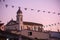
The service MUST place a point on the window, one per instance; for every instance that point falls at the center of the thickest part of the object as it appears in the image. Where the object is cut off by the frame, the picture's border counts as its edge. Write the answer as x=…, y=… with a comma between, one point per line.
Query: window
x=21, y=27
x=29, y=33
x=28, y=27
x=35, y=28
x=21, y=18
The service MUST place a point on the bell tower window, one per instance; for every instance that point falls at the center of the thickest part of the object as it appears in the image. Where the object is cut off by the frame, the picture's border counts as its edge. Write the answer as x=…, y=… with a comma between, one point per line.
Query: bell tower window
x=21, y=18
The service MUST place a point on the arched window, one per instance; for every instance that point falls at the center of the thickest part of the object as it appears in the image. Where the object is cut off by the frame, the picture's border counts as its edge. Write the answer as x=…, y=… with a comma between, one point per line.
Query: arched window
x=21, y=18
x=28, y=27
x=35, y=28
x=38, y=28
x=21, y=27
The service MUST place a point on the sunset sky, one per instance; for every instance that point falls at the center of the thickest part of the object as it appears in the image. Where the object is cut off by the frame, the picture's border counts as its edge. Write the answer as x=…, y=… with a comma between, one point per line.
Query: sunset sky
x=45, y=18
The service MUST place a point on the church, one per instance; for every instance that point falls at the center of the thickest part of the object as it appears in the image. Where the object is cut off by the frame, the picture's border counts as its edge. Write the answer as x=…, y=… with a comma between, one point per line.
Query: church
x=23, y=30
x=19, y=24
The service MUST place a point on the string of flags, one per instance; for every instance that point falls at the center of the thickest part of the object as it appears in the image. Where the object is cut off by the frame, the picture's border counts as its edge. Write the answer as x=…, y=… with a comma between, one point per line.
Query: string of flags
x=52, y=25
x=6, y=5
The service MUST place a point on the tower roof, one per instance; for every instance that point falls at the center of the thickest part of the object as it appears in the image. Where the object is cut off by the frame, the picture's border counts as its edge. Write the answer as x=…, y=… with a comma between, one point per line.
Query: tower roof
x=19, y=11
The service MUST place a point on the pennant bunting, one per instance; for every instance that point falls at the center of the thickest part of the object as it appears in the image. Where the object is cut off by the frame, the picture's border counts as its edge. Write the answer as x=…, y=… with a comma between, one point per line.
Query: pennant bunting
x=58, y=13
x=6, y=5
x=48, y=11
x=49, y=25
x=43, y=11
x=58, y=23
x=52, y=24
x=12, y=6
x=32, y=9
x=25, y=8
x=55, y=23
x=38, y=10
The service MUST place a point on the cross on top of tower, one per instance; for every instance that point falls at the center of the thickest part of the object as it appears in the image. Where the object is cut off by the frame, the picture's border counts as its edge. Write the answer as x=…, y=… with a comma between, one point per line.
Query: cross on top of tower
x=19, y=10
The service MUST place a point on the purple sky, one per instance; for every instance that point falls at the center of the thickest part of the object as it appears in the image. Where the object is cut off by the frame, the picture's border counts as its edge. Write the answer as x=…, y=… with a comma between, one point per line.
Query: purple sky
x=6, y=14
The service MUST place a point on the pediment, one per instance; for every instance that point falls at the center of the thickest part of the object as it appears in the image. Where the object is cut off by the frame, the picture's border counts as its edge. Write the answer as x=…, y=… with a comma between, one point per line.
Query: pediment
x=11, y=23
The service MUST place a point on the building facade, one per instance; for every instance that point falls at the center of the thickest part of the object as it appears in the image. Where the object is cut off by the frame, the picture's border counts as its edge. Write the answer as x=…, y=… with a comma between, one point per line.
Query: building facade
x=27, y=30
x=19, y=24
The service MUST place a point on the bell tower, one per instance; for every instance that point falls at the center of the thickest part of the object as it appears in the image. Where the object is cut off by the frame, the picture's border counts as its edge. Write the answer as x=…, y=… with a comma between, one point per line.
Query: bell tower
x=19, y=19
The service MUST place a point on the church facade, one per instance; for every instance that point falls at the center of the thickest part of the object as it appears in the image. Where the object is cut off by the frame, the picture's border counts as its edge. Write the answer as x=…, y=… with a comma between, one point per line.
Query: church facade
x=19, y=24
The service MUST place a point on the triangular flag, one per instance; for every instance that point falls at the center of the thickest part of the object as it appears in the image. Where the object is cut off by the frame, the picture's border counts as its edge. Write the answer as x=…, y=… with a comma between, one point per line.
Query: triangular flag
x=52, y=24
x=53, y=12
x=55, y=23
x=58, y=23
x=32, y=9
x=6, y=5
x=43, y=11
x=12, y=6
x=49, y=25
x=48, y=11
x=25, y=8
x=38, y=10
x=58, y=13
